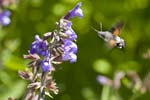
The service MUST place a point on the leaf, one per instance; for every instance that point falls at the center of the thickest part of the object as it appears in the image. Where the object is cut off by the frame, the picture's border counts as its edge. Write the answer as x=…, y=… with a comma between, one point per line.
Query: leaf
x=48, y=94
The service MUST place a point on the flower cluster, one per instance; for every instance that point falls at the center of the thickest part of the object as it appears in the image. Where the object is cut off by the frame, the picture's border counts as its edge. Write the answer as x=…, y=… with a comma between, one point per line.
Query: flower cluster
x=54, y=48
x=61, y=46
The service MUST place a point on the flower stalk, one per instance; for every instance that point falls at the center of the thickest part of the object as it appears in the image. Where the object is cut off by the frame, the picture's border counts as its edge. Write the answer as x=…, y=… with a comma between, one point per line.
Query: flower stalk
x=45, y=53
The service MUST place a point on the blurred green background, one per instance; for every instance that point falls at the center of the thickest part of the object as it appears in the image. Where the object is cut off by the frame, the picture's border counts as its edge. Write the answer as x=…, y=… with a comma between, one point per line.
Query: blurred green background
x=78, y=81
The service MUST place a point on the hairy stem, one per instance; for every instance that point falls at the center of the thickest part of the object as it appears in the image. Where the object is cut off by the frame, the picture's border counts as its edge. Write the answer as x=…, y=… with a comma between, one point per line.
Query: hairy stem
x=42, y=88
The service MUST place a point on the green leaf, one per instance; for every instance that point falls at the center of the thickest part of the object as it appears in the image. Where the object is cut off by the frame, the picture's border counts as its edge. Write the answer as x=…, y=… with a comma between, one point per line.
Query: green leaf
x=48, y=94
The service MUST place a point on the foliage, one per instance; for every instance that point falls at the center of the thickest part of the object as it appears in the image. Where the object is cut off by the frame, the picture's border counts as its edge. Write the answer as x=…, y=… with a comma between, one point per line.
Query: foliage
x=78, y=81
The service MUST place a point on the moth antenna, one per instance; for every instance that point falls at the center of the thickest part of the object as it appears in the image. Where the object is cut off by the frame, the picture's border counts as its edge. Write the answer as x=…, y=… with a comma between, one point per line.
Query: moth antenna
x=100, y=25
x=95, y=29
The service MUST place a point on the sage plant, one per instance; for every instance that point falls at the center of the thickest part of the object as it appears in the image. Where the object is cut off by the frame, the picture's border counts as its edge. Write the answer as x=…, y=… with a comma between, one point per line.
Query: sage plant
x=45, y=53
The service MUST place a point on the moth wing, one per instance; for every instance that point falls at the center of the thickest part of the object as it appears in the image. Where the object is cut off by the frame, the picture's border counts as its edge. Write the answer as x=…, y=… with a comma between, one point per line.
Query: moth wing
x=116, y=28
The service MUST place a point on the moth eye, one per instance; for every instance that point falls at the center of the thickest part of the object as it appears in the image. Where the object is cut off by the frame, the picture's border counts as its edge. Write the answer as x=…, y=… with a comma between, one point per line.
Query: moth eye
x=118, y=44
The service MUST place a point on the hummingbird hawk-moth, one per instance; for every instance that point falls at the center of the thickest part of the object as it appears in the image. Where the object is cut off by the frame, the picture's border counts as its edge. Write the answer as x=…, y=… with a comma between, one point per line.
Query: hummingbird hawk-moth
x=112, y=36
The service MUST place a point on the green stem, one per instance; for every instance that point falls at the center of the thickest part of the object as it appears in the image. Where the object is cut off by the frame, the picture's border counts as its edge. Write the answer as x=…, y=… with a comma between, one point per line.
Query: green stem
x=105, y=93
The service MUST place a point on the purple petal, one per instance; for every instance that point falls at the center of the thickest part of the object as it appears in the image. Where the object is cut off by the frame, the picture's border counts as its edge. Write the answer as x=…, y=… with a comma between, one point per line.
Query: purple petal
x=6, y=13
x=33, y=48
x=45, y=66
x=73, y=58
x=72, y=34
x=66, y=57
x=79, y=13
x=37, y=38
x=69, y=57
x=102, y=79
x=40, y=47
x=4, y=18
x=70, y=46
x=69, y=24
x=76, y=11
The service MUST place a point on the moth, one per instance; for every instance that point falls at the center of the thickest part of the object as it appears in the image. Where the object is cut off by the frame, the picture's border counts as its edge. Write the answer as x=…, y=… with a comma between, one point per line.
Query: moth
x=112, y=36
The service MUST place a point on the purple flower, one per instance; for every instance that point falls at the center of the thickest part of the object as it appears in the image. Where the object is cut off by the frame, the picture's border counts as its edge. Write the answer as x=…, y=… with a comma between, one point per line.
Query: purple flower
x=72, y=35
x=4, y=17
x=70, y=46
x=102, y=79
x=68, y=24
x=105, y=81
x=70, y=57
x=70, y=50
x=40, y=47
x=45, y=66
x=76, y=11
